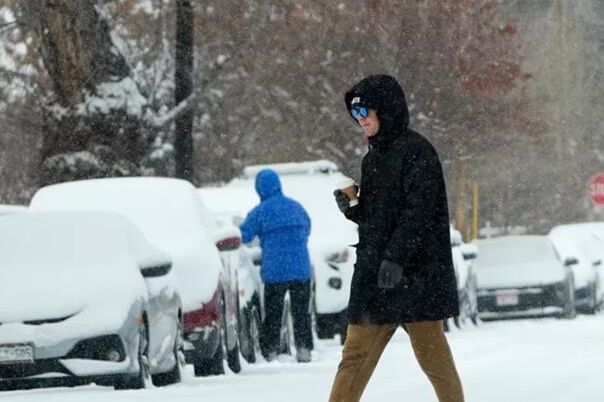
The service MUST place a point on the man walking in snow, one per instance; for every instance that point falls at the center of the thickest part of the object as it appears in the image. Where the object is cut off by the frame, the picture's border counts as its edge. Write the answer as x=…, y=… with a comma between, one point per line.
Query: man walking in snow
x=283, y=227
x=404, y=272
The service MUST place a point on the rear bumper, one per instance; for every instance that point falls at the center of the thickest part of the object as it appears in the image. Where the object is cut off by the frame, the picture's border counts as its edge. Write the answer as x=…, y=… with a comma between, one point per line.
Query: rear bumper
x=531, y=301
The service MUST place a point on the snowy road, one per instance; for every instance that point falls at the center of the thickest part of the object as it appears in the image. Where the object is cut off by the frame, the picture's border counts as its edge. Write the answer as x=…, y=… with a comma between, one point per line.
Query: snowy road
x=545, y=360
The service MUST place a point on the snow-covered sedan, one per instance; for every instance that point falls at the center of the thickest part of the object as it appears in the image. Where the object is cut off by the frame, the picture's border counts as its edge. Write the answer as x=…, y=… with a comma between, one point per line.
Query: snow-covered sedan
x=84, y=297
x=171, y=215
x=522, y=276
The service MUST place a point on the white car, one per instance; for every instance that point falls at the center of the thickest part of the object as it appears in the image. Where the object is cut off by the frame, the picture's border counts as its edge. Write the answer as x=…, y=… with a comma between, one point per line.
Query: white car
x=332, y=235
x=84, y=297
x=521, y=276
x=579, y=242
x=171, y=215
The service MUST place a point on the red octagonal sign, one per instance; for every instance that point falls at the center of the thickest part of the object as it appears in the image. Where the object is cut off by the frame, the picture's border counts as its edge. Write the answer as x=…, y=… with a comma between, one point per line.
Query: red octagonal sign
x=596, y=189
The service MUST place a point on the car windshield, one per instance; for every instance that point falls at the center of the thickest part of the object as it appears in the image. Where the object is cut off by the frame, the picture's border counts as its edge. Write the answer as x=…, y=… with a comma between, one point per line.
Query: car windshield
x=61, y=242
x=514, y=251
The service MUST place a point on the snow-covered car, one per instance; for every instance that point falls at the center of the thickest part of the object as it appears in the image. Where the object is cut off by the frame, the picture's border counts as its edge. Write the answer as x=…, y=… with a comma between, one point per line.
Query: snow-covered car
x=463, y=255
x=521, y=276
x=577, y=241
x=332, y=235
x=171, y=215
x=84, y=297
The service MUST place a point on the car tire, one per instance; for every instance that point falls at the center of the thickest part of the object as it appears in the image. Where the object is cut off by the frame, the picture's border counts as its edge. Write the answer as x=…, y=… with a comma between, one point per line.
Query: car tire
x=212, y=366
x=143, y=378
x=175, y=375
x=232, y=355
x=569, y=311
x=249, y=332
x=592, y=307
x=233, y=360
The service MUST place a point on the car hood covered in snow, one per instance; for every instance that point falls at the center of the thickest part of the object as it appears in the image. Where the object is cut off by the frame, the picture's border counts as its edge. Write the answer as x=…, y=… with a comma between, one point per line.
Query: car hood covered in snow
x=167, y=211
x=57, y=265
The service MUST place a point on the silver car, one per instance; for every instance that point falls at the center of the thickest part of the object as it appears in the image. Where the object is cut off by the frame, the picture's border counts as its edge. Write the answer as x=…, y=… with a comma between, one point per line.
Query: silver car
x=85, y=298
x=523, y=276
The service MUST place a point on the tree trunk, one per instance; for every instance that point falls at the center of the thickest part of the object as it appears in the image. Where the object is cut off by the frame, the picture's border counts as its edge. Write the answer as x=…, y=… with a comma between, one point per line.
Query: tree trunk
x=460, y=198
x=183, y=86
x=93, y=117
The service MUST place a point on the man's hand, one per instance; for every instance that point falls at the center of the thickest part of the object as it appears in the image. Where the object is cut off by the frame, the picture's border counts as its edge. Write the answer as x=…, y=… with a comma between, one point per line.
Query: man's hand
x=342, y=201
x=390, y=274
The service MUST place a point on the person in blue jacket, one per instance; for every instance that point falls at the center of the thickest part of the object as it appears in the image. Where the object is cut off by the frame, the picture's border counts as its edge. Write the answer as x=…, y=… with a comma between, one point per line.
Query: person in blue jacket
x=283, y=227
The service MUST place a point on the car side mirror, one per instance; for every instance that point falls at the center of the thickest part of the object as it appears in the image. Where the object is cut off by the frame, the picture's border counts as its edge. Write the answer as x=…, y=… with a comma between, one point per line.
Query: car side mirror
x=155, y=271
x=570, y=261
x=597, y=263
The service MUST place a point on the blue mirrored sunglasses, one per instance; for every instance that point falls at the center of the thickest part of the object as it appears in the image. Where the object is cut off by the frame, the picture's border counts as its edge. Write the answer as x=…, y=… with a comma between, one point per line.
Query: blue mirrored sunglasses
x=357, y=112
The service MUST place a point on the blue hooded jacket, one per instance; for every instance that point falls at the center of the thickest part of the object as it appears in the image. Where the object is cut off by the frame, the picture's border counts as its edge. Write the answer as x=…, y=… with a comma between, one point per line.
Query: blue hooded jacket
x=283, y=227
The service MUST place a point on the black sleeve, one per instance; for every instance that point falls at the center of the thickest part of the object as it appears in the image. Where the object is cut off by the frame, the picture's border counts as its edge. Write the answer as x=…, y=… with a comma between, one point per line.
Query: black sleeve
x=422, y=185
x=353, y=213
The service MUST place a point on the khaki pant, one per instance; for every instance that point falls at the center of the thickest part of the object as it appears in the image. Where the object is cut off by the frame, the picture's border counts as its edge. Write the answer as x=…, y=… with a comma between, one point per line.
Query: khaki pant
x=364, y=346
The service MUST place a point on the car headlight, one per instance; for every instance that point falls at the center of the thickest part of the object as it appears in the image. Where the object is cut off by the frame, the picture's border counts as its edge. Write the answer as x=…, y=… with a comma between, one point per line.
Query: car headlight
x=107, y=347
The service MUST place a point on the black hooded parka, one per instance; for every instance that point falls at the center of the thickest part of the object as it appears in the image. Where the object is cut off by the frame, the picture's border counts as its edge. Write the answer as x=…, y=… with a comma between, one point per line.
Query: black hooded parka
x=402, y=216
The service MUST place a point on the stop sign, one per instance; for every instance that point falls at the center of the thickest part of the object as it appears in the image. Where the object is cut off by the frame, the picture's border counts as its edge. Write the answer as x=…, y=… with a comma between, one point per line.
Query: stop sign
x=596, y=189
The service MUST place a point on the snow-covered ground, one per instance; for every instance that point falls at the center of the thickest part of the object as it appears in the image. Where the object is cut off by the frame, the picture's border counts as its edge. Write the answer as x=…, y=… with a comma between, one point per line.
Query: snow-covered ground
x=540, y=360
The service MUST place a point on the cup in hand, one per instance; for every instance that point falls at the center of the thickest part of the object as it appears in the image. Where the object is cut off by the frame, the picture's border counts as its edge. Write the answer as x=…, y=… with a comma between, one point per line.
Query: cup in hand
x=350, y=189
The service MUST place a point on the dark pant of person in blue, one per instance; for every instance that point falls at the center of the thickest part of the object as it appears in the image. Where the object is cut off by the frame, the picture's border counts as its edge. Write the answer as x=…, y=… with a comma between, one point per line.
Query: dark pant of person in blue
x=274, y=296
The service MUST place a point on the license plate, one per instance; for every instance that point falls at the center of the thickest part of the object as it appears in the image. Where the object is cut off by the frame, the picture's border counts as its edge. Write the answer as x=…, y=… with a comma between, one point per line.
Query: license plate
x=19, y=353
x=507, y=299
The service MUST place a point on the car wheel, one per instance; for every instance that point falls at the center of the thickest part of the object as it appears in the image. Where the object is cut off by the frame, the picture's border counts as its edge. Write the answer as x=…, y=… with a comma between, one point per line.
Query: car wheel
x=593, y=300
x=249, y=332
x=232, y=354
x=569, y=302
x=473, y=301
x=143, y=378
x=233, y=360
x=211, y=366
x=173, y=376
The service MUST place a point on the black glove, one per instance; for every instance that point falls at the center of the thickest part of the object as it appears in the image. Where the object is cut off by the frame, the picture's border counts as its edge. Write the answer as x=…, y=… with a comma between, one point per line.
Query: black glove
x=342, y=200
x=390, y=274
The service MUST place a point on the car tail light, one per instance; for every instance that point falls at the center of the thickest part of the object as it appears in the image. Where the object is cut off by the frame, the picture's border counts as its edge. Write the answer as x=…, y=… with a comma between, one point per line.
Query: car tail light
x=229, y=244
x=206, y=316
